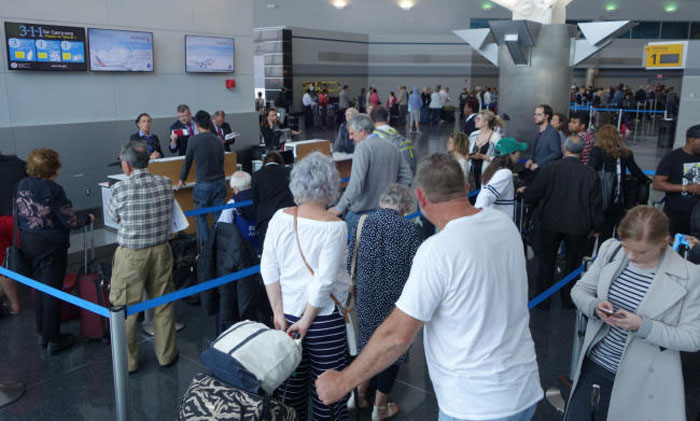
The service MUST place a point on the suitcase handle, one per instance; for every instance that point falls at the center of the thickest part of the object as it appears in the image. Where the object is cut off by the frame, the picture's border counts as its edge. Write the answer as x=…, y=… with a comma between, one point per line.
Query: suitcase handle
x=85, y=245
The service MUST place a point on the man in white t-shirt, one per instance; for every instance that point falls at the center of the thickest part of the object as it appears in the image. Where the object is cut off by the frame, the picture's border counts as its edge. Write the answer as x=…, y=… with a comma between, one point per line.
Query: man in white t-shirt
x=468, y=289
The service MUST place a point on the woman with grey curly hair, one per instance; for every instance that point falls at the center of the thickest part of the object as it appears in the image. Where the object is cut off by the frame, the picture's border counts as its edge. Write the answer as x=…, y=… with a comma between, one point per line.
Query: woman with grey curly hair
x=383, y=256
x=302, y=267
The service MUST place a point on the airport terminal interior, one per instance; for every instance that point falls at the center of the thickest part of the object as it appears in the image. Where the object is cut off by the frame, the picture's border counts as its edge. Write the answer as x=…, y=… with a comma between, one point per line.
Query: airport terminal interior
x=586, y=109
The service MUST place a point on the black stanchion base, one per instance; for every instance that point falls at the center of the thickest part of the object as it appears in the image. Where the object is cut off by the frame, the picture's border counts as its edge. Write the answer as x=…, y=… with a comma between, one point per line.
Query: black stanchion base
x=10, y=392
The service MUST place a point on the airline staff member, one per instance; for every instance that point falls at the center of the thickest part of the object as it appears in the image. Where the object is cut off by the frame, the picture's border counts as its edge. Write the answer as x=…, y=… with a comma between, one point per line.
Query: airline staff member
x=178, y=140
x=221, y=128
x=143, y=122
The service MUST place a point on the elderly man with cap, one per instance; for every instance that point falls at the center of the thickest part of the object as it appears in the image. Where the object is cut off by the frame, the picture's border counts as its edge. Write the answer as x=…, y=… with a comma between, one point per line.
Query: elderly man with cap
x=497, y=189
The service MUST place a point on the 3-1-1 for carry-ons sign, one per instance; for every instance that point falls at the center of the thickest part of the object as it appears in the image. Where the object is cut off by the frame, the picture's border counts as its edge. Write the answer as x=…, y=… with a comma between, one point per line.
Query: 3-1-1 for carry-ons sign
x=665, y=55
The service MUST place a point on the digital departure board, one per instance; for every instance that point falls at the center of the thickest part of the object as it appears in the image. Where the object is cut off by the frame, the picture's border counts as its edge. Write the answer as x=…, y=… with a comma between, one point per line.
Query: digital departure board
x=45, y=47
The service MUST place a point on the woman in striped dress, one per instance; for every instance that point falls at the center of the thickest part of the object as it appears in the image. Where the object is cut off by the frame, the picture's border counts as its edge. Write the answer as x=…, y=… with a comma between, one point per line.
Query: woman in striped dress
x=642, y=301
x=303, y=268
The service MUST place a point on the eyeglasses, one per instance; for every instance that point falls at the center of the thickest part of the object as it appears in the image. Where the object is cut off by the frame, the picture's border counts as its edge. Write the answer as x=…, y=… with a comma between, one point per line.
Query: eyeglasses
x=538, y=114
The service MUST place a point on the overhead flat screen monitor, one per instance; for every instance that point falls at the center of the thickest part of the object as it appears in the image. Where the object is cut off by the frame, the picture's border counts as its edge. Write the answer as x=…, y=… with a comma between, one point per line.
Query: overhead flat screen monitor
x=209, y=54
x=45, y=47
x=120, y=51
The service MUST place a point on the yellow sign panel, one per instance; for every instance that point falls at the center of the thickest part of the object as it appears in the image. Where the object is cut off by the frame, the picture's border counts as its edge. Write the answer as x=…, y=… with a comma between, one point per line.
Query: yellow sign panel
x=665, y=55
x=19, y=54
x=41, y=54
x=66, y=56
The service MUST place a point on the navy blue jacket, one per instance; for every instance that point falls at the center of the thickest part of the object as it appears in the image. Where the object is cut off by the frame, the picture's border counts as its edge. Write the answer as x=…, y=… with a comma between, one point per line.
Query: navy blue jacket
x=547, y=148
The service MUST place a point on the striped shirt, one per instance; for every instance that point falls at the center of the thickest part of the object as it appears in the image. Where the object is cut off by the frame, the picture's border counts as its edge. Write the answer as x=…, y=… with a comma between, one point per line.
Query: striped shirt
x=143, y=206
x=626, y=293
x=499, y=193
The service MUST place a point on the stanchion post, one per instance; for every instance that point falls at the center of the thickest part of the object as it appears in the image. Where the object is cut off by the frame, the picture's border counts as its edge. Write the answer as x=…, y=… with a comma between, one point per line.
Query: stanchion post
x=117, y=327
x=619, y=119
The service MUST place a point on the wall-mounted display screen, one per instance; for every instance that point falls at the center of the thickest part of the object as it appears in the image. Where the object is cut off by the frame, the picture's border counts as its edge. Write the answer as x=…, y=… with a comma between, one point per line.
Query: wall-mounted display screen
x=209, y=54
x=45, y=47
x=120, y=51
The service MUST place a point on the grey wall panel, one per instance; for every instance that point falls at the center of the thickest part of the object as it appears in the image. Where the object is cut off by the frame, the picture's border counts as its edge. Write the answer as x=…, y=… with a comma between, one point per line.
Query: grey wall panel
x=7, y=140
x=303, y=70
x=85, y=11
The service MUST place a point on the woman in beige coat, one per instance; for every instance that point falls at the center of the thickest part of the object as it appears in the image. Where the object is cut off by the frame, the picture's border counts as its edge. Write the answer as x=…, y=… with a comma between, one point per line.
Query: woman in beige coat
x=642, y=301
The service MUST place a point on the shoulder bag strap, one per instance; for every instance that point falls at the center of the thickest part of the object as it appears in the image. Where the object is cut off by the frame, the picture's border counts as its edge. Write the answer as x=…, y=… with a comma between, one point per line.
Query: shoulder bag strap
x=343, y=310
x=296, y=234
x=353, y=263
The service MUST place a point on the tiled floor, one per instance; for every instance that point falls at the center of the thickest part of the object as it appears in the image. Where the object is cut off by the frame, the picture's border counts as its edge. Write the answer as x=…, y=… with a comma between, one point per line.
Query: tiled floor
x=77, y=385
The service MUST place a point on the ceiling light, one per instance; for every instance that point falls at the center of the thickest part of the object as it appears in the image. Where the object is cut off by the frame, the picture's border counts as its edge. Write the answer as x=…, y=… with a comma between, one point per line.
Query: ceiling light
x=271, y=6
x=487, y=5
x=611, y=7
x=340, y=4
x=671, y=7
x=406, y=4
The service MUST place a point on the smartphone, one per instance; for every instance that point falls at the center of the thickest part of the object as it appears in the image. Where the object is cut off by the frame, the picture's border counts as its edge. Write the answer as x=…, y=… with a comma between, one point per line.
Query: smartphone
x=608, y=312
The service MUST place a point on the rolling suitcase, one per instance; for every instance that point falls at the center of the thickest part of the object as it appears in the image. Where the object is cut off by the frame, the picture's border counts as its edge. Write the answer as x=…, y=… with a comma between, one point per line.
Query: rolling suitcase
x=69, y=311
x=93, y=285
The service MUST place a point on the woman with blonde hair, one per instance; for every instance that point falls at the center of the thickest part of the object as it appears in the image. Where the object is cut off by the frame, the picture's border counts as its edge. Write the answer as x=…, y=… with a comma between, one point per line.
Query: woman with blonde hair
x=458, y=146
x=642, y=301
x=482, y=144
x=611, y=157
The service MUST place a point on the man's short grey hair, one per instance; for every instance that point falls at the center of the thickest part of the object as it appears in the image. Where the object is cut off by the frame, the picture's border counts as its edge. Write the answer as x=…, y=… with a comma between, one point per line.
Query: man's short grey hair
x=135, y=152
x=352, y=111
x=397, y=197
x=361, y=122
x=315, y=179
x=440, y=177
x=574, y=144
x=240, y=180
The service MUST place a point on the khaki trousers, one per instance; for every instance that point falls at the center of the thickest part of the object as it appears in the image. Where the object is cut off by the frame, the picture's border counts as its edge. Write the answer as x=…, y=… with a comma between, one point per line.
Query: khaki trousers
x=150, y=268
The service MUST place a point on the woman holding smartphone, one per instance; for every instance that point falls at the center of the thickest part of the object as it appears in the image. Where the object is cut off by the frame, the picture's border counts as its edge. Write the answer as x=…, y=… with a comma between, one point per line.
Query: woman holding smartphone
x=642, y=301
x=482, y=144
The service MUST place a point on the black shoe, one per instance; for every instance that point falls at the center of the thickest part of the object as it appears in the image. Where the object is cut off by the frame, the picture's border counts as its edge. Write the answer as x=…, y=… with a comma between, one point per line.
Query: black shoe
x=42, y=342
x=62, y=343
x=171, y=363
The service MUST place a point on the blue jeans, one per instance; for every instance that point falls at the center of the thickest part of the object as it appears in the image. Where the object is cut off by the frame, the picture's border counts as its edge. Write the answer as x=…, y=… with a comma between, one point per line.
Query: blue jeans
x=352, y=218
x=525, y=415
x=204, y=196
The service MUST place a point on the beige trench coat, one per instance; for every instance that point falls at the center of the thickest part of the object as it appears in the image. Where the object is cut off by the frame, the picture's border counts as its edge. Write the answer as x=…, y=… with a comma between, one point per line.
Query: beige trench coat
x=649, y=381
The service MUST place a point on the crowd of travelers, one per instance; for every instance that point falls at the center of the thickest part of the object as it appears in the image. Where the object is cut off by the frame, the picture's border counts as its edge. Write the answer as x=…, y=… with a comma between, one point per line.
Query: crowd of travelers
x=465, y=287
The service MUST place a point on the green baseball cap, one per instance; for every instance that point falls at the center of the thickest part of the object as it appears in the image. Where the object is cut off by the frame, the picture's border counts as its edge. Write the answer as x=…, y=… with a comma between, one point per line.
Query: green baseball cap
x=508, y=145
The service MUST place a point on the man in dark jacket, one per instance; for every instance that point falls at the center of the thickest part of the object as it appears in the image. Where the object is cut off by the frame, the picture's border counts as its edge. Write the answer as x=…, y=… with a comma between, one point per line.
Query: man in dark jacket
x=181, y=130
x=471, y=107
x=547, y=145
x=569, y=210
x=221, y=128
x=270, y=191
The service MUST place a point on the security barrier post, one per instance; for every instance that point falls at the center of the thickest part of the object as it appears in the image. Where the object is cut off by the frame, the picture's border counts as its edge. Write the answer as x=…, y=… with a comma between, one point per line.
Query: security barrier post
x=117, y=327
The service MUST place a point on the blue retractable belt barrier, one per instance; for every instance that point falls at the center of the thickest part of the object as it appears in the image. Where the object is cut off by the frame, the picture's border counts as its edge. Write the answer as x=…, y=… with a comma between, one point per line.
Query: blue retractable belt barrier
x=554, y=288
x=195, y=289
x=64, y=296
x=202, y=211
x=624, y=110
x=345, y=180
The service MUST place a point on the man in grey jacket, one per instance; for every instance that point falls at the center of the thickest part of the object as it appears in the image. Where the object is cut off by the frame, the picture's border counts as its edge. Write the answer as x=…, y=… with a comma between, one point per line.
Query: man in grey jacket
x=376, y=163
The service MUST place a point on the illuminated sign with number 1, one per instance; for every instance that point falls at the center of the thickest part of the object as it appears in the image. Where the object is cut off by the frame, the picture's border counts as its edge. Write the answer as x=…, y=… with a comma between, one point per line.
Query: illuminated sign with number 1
x=665, y=55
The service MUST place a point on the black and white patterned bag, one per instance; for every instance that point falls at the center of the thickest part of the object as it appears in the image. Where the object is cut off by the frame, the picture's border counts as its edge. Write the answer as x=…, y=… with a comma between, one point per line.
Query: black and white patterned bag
x=208, y=399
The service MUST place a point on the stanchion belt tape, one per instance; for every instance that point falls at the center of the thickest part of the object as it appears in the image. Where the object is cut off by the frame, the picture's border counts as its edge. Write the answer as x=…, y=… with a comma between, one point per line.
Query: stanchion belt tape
x=195, y=289
x=72, y=299
x=202, y=211
x=554, y=288
x=617, y=110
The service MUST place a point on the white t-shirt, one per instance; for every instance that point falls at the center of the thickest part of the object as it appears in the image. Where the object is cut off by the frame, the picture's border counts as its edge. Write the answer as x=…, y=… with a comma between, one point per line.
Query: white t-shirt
x=498, y=193
x=468, y=283
x=325, y=248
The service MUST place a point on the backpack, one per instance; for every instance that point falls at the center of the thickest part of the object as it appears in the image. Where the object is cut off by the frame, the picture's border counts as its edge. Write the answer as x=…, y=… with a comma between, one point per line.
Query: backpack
x=405, y=145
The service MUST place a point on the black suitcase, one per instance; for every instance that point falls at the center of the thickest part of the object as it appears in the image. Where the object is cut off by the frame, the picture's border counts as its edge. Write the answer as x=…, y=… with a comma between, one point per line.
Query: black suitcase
x=208, y=398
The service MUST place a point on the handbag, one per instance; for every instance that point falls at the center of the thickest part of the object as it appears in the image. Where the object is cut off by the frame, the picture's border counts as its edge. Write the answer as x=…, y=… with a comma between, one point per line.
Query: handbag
x=607, y=187
x=15, y=259
x=344, y=311
x=253, y=357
